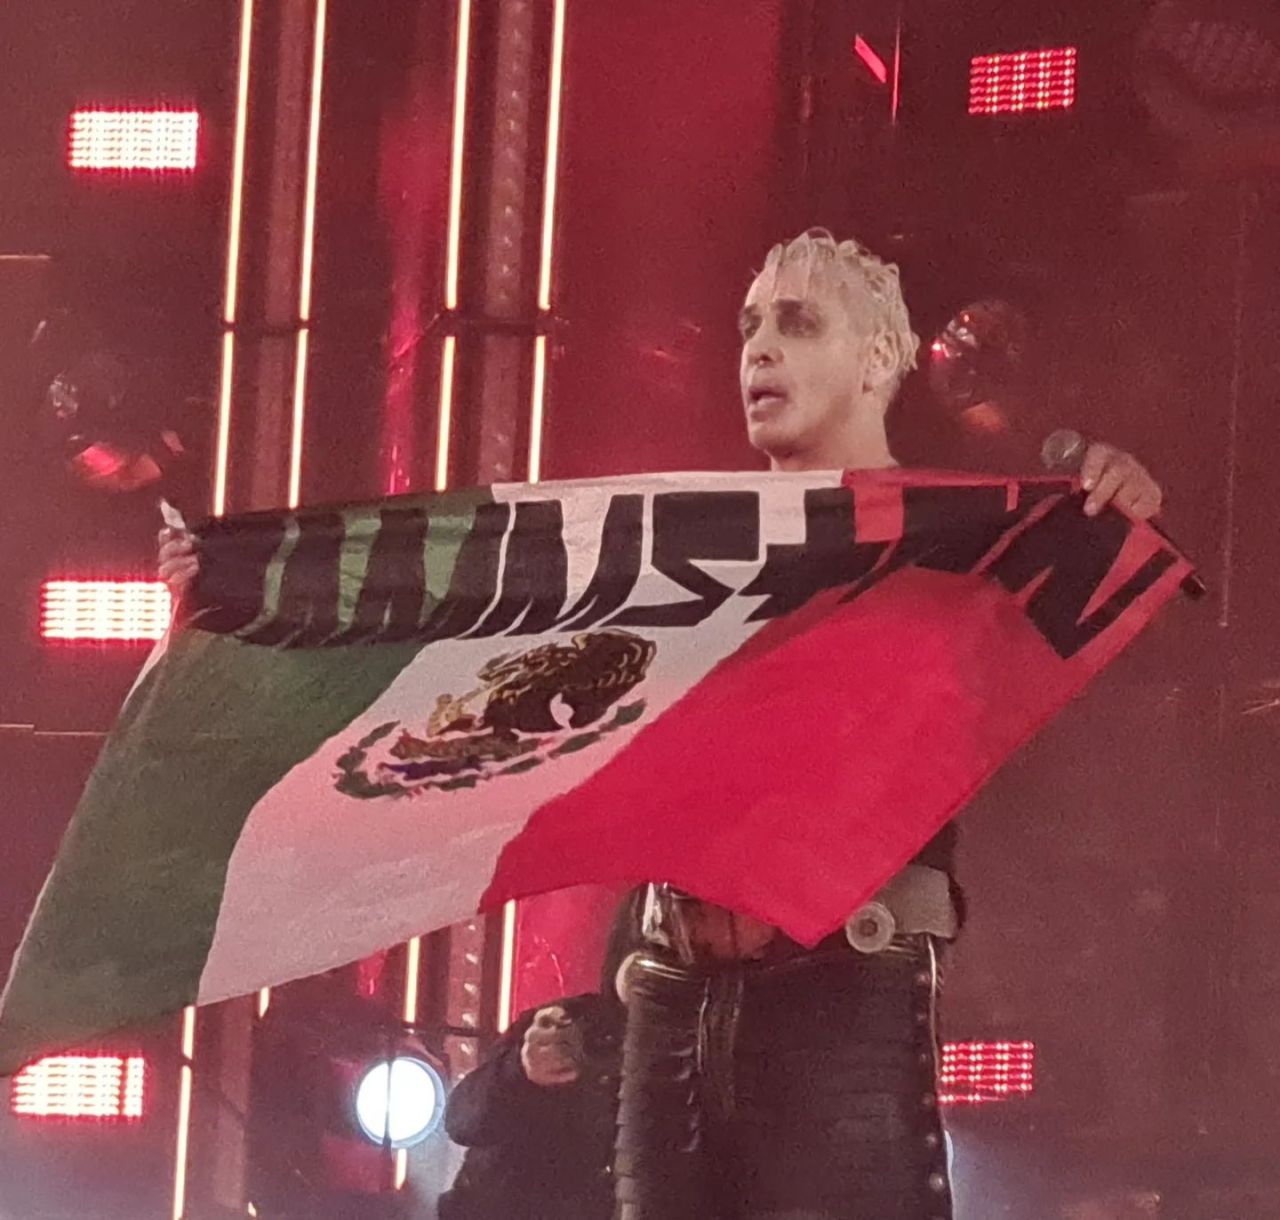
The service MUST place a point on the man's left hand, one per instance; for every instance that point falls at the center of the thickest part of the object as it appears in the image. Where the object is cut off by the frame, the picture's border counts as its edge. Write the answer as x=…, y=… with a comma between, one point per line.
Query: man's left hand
x=1111, y=476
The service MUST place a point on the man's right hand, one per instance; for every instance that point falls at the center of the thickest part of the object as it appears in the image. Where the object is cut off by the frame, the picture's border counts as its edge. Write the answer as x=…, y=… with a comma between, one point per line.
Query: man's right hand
x=552, y=1050
x=178, y=562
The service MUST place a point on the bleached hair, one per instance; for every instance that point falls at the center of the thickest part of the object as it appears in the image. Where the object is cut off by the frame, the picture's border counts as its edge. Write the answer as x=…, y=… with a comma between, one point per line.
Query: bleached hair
x=859, y=278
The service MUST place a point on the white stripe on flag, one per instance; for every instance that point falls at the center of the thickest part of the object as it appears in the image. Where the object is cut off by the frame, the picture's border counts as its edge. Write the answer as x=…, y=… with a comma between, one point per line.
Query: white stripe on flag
x=319, y=878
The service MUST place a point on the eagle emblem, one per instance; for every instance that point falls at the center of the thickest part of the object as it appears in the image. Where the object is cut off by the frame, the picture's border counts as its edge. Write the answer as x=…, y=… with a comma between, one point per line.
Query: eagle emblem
x=526, y=708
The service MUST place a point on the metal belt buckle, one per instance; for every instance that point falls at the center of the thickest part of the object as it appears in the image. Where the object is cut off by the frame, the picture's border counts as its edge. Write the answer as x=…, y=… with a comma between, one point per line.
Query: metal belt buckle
x=871, y=928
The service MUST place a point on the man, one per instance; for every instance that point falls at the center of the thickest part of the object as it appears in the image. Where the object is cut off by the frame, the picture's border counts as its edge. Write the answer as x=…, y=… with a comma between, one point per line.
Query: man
x=816, y=1097
x=764, y=1081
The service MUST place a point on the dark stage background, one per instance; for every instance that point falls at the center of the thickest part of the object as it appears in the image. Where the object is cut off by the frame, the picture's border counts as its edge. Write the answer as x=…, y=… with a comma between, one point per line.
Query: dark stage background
x=1121, y=873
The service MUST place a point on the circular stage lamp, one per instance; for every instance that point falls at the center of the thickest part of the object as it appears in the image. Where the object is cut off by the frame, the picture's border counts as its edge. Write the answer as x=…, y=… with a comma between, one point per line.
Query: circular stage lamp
x=399, y=1101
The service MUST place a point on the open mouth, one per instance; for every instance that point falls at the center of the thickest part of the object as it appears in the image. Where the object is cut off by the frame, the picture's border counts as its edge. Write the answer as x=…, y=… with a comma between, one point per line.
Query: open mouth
x=765, y=396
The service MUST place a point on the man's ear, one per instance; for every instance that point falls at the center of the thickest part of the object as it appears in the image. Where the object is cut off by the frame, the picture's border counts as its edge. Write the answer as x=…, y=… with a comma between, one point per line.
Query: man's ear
x=883, y=362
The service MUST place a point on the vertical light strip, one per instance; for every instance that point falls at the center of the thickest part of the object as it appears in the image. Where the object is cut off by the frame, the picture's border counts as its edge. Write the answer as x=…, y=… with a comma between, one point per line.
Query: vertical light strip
x=448, y=357
x=184, y=1113
x=507, y=967
x=412, y=973
x=222, y=452
x=453, y=250
x=222, y=457
x=551, y=172
x=264, y=1002
x=313, y=163
x=236, y=209
x=550, y=178
x=897, y=70
x=537, y=407
x=301, y=355
x=231, y=293
x=537, y=403
x=307, y=258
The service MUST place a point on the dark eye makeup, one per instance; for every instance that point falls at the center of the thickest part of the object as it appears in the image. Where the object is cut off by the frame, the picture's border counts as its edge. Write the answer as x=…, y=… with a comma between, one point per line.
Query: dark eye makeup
x=799, y=319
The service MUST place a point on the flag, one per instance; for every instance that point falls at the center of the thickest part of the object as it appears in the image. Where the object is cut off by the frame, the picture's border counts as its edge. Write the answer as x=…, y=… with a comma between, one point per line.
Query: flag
x=768, y=689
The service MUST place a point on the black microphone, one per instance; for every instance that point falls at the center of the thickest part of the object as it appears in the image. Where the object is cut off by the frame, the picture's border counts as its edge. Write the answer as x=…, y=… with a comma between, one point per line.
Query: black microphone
x=1063, y=453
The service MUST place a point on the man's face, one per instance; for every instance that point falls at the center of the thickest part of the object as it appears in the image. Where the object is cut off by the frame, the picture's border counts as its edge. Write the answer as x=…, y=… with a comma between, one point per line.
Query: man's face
x=803, y=362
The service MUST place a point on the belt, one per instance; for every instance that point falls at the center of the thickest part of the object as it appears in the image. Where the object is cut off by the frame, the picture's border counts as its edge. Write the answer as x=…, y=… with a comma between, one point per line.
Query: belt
x=916, y=901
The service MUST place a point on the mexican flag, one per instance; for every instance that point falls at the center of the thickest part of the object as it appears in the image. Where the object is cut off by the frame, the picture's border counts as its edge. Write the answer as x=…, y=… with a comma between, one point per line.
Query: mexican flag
x=768, y=689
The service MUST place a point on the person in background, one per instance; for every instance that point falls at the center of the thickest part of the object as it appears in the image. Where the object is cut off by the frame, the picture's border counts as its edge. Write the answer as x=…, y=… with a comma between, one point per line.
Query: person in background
x=537, y=1115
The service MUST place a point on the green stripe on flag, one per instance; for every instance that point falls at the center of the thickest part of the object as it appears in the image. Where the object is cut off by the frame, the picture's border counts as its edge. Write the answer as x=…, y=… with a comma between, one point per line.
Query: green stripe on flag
x=212, y=727
x=143, y=852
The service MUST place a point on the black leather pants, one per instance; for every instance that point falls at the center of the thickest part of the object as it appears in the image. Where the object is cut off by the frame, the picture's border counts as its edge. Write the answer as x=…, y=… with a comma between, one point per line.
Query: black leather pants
x=806, y=1091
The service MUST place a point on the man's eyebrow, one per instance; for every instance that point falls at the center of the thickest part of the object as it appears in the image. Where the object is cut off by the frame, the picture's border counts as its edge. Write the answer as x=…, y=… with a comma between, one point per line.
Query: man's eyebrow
x=748, y=313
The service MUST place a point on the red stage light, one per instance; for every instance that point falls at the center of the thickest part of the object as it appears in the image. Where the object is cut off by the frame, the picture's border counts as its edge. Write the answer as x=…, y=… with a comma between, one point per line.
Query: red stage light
x=973, y=1073
x=1020, y=81
x=874, y=63
x=106, y=610
x=130, y=141
x=81, y=1086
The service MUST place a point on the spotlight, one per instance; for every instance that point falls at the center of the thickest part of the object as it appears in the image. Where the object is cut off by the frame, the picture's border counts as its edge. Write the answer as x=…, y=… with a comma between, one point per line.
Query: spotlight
x=106, y=417
x=95, y=1086
x=104, y=610
x=976, y=1073
x=976, y=362
x=1016, y=82
x=154, y=140
x=399, y=1101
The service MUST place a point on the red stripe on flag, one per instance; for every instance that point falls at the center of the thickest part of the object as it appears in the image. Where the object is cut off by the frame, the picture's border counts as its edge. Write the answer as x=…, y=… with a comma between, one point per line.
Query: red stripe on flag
x=884, y=716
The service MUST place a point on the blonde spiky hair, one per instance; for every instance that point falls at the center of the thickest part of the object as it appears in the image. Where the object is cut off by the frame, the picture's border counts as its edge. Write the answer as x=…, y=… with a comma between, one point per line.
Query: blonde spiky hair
x=860, y=279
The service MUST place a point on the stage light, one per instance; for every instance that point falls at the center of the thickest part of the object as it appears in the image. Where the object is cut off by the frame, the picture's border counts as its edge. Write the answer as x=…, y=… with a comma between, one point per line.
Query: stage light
x=108, y=413
x=977, y=363
x=1020, y=81
x=104, y=610
x=81, y=1086
x=974, y=1073
x=302, y=340
x=399, y=1101
x=159, y=140
x=871, y=59
x=231, y=289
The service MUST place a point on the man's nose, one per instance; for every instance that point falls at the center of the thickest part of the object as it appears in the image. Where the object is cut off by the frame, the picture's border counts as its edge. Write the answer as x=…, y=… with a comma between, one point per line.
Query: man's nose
x=762, y=348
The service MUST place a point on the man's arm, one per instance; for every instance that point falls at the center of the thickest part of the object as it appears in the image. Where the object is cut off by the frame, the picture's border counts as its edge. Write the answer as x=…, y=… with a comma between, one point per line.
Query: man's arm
x=519, y=1086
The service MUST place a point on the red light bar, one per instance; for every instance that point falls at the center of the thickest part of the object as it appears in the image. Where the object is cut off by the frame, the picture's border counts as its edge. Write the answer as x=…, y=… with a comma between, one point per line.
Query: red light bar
x=131, y=141
x=973, y=1073
x=107, y=610
x=869, y=56
x=1020, y=81
x=81, y=1086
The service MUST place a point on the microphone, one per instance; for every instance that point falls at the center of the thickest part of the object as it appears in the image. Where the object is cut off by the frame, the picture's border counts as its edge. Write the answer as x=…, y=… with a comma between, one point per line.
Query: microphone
x=1063, y=453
